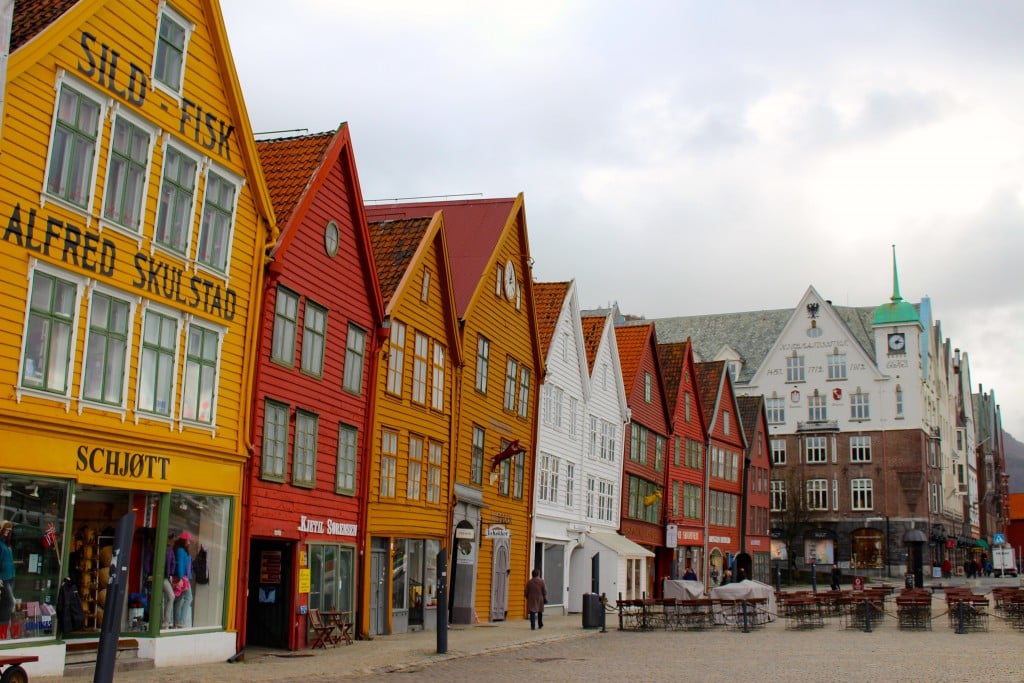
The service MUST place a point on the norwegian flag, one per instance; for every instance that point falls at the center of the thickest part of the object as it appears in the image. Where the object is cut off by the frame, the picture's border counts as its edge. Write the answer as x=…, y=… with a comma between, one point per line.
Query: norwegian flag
x=50, y=536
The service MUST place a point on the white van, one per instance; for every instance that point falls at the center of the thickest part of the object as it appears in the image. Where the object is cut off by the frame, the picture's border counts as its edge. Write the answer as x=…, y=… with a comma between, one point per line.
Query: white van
x=1003, y=561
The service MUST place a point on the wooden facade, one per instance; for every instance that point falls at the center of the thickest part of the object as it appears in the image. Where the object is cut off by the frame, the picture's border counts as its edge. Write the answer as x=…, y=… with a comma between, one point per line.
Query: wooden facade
x=134, y=222
x=755, y=531
x=321, y=315
x=410, y=478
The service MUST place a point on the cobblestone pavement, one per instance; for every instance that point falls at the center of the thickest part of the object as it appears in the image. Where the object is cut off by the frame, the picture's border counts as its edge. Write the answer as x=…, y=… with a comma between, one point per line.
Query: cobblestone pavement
x=563, y=650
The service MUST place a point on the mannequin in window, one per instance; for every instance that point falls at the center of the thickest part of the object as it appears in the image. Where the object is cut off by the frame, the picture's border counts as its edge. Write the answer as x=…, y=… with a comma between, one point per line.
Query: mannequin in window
x=6, y=577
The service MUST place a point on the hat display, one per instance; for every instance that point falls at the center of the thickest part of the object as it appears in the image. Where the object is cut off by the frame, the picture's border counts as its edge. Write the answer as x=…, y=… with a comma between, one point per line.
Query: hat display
x=186, y=536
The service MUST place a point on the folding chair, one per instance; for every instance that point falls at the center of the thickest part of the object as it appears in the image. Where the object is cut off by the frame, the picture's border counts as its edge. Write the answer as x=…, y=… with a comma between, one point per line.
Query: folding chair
x=323, y=633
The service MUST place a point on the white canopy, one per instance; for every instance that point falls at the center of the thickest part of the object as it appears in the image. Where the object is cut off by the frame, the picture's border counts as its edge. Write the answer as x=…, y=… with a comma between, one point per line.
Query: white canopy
x=746, y=589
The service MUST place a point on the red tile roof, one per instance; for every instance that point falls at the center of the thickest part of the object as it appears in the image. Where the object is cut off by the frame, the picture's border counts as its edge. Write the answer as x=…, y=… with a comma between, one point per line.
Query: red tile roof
x=394, y=245
x=32, y=16
x=750, y=411
x=709, y=383
x=473, y=228
x=593, y=332
x=290, y=165
x=631, y=340
x=671, y=357
x=549, y=297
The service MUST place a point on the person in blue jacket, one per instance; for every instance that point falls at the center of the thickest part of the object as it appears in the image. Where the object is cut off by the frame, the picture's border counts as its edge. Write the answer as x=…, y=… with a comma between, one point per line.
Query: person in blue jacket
x=182, y=581
x=6, y=577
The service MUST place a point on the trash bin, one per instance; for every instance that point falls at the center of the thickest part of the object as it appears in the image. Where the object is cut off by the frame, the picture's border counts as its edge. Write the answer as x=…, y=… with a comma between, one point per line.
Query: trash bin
x=592, y=609
x=908, y=580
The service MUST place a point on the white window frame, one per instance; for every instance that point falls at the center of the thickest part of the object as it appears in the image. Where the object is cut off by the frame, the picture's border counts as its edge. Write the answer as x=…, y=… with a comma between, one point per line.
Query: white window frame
x=817, y=494
x=229, y=179
x=836, y=365
x=414, y=473
x=420, y=363
x=778, y=499
x=860, y=448
x=121, y=405
x=815, y=450
x=164, y=219
x=348, y=451
x=220, y=332
x=36, y=268
x=143, y=190
x=778, y=451
x=817, y=407
x=569, y=492
x=396, y=359
x=862, y=494
x=795, y=368
x=304, y=450
x=314, y=340
x=776, y=410
x=274, y=452
x=89, y=185
x=437, y=385
x=355, y=360
x=174, y=315
x=388, y=462
x=435, y=456
x=285, y=322
x=860, y=406
x=483, y=357
x=188, y=27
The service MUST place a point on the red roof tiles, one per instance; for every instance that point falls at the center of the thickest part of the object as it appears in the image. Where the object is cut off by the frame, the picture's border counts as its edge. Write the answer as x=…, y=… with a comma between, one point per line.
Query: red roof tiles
x=631, y=340
x=593, y=332
x=709, y=383
x=549, y=298
x=394, y=245
x=289, y=165
x=32, y=16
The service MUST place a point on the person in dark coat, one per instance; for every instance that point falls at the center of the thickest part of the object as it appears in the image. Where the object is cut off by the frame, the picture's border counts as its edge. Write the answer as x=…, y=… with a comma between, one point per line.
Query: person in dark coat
x=836, y=576
x=536, y=597
x=70, y=615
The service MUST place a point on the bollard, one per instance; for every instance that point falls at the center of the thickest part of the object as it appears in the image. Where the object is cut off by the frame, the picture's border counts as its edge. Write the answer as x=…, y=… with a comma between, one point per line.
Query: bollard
x=867, y=616
x=604, y=610
x=778, y=579
x=960, y=628
x=620, y=610
x=814, y=577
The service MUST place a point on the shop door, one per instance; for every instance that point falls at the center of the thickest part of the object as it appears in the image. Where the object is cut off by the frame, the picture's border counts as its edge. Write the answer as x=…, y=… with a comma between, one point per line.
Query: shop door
x=499, y=580
x=378, y=593
x=268, y=612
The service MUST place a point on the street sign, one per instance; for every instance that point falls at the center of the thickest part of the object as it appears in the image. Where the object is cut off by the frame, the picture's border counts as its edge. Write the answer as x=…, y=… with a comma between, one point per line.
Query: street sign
x=858, y=583
x=998, y=539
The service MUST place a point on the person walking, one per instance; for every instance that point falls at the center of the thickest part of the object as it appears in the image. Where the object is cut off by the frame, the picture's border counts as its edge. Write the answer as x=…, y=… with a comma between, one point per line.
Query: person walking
x=836, y=576
x=536, y=598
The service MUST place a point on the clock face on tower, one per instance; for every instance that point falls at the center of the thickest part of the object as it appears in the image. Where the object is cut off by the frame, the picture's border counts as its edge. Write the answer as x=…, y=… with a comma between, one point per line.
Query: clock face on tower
x=897, y=343
x=510, y=280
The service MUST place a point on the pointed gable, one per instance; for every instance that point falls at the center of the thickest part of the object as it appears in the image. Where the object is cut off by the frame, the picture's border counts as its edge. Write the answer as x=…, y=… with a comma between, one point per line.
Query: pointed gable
x=750, y=408
x=632, y=341
x=289, y=165
x=593, y=333
x=394, y=245
x=671, y=357
x=709, y=385
x=550, y=299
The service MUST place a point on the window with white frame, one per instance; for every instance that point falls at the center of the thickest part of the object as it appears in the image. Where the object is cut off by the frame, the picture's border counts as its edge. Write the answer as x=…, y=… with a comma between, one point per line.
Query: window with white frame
x=659, y=452
x=199, y=389
x=420, y=360
x=556, y=469
x=544, y=478
x=388, y=463
x=524, y=393
x=592, y=436
x=314, y=339
x=106, y=349
x=425, y=286
x=219, y=201
x=590, y=497
x=476, y=474
x=609, y=440
x=817, y=494
x=605, y=501
x=286, y=319
x=126, y=173
x=171, y=48
x=275, y=440
x=647, y=387
x=726, y=422
x=688, y=406
x=304, y=459
x=415, y=469
x=437, y=383
x=396, y=358
x=76, y=129
x=345, y=478
x=177, y=200
x=778, y=451
x=483, y=354
x=157, y=363
x=570, y=485
x=693, y=507
x=778, y=495
x=574, y=409
x=862, y=494
x=511, y=383
x=815, y=449
x=899, y=401
x=817, y=408
x=836, y=365
x=795, y=368
x=776, y=410
x=859, y=406
x=355, y=359
x=860, y=448
x=694, y=454
x=638, y=447
x=434, y=456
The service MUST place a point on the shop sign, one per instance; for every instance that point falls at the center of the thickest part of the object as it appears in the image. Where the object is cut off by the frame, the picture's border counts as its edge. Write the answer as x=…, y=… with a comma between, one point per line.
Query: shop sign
x=465, y=533
x=719, y=539
x=124, y=464
x=304, y=580
x=690, y=536
x=498, y=532
x=329, y=527
x=270, y=566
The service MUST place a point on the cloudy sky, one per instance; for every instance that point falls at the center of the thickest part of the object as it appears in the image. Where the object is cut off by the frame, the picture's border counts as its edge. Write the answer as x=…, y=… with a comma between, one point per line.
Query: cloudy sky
x=684, y=158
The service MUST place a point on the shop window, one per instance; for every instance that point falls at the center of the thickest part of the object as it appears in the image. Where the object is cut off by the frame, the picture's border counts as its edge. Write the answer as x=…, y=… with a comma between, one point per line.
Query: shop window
x=177, y=200
x=207, y=520
x=199, y=393
x=36, y=510
x=331, y=577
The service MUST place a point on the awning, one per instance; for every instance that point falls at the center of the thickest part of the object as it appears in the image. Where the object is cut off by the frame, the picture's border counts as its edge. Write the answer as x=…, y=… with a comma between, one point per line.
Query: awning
x=915, y=536
x=981, y=543
x=618, y=544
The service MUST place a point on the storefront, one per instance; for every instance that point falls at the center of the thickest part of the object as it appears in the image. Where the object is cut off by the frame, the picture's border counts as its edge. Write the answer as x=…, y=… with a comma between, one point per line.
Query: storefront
x=689, y=551
x=414, y=584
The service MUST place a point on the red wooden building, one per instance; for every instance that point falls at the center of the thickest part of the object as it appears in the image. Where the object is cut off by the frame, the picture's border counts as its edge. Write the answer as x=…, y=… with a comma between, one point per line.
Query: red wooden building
x=684, y=505
x=724, y=467
x=755, y=524
x=322, y=312
x=644, y=461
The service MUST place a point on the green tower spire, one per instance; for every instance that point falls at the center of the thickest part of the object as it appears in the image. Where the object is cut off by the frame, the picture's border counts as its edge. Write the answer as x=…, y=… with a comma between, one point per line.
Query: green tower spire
x=897, y=310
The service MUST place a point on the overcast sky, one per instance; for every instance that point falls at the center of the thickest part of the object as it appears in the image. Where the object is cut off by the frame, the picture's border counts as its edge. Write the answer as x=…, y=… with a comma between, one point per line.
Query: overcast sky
x=685, y=158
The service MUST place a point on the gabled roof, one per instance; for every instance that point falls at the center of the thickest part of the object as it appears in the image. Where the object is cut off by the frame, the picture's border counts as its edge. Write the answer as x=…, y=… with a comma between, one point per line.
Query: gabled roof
x=750, y=411
x=32, y=16
x=550, y=299
x=671, y=357
x=631, y=341
x=394, y=246
x=474, y=228
x=290, y=165
x=709, y=385
x=593, y=333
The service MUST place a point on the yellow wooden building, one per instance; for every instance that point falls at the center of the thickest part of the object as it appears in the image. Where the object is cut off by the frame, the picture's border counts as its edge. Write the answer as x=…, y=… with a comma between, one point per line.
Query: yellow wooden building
x=496, y=392
x=134, y=220
x=410, y=479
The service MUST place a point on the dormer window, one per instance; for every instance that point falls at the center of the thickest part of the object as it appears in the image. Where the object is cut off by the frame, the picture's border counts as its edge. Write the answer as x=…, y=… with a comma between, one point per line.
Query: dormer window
x=171, y=50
